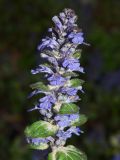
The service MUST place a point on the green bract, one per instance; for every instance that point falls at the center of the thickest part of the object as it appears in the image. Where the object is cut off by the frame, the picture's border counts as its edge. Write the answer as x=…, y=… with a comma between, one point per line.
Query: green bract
x=39, y=85
x=70, y=74
x=67, y=153
x=69, y=108
x=80, y=121
x=40, y=129
x=76, y=82
x=77, y=54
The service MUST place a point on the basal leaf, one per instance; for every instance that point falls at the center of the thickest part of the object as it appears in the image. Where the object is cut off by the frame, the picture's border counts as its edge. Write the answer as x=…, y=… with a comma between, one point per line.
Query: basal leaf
x=67, y=153
x=40, y=129
x=69, y=108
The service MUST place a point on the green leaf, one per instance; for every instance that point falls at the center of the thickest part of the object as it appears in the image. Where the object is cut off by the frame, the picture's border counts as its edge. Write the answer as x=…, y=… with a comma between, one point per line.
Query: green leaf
x=77, y=54
x=41, y=146
x=67, y=153
x=76, y=82
x=47, y=65
x=40, y=129
x=69, y=108
x=39, y=85
x=82, y=119
x=70, y=74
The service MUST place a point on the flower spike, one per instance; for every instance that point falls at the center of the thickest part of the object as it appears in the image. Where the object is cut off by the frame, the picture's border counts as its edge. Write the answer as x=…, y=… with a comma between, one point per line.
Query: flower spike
x=60, y=116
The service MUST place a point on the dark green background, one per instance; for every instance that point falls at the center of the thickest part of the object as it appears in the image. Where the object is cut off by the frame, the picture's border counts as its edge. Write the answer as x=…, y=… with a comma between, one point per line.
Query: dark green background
x=22, y=25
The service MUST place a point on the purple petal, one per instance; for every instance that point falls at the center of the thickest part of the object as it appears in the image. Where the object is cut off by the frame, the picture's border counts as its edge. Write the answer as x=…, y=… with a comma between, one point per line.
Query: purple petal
x=72, y=64
x=65, y=120
x=69, y=91
x=48, y=43
x=35, y=92
x=62, y=16
x=42, y=68
x=63, y=135
x=75, y=130
x=57, y=22
x=76, y=37
x=56, y=79
x=37, y=141
x=47, y=101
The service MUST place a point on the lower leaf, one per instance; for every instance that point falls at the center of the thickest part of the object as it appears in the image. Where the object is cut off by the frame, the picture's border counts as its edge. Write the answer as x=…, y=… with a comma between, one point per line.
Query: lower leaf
x=67, y=153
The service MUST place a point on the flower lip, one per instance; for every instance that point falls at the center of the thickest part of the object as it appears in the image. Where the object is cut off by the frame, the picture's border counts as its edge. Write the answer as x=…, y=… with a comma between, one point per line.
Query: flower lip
x=64, y=135
x=76, y=38
x=56, y=79
x=46, y=102
x=57, y=22
x=65, y=120
x=48, y=43
x=72, y=64
x=69, y=90
x=41, y=69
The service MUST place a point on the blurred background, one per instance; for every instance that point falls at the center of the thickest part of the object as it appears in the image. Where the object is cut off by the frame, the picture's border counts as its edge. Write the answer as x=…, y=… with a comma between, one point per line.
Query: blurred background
x=22, y=25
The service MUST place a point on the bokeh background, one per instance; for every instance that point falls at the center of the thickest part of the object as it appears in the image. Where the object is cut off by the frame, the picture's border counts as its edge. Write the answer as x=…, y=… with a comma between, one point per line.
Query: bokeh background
x=22, y=24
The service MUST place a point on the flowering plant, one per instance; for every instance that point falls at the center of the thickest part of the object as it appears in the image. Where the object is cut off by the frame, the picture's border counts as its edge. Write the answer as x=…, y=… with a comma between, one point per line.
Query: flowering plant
x=60, y=116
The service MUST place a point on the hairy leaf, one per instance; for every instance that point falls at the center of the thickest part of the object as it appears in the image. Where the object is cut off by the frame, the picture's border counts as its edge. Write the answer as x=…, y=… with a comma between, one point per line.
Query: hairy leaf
x=69, y=108
x=82, y=119
x=40, y=129
x=67, y=153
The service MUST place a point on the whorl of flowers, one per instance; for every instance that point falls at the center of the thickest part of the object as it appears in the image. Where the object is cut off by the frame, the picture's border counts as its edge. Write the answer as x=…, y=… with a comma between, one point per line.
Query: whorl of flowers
x=58, y=92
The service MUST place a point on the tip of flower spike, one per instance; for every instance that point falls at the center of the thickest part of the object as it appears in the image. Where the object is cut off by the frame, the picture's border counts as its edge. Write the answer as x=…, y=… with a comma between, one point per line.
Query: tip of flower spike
x=70, y=13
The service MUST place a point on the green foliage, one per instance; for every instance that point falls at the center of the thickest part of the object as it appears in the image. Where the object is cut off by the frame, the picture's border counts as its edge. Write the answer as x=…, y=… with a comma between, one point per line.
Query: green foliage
x=40, y=129
x=77, y=54
x=69, y=108
x=67, y=153
x=82, y=119
x=39, y=85
x=71, y=74
x=76, y=82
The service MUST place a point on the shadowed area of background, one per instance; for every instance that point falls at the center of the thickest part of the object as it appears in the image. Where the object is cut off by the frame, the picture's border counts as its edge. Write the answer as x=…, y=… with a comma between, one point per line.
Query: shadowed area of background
x=22, y=25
